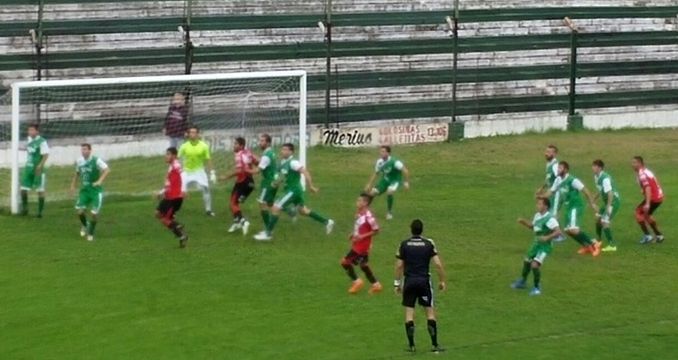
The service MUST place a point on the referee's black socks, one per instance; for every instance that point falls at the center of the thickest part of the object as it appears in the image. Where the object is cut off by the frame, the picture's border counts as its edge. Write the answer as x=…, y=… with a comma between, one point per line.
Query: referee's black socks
x=409, y=330
x=433, y=331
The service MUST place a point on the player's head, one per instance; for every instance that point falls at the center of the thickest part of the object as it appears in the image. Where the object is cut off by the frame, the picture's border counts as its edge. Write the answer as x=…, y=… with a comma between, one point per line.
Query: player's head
x=638, y=162
x=364, y=201
x=193, y=133
x=543, y=204
x=264, y=141
x=178, y=99
x=563, y=168
x=385, y=151
x=239, y=144
x=551, y=152
x=417, y=227
x=597, y=166
x=33, y=130
x=170, y=154
x=287, y=150
x=85, y=150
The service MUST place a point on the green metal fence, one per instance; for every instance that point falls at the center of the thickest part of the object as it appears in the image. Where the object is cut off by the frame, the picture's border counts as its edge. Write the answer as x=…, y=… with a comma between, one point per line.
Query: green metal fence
x=330, y=49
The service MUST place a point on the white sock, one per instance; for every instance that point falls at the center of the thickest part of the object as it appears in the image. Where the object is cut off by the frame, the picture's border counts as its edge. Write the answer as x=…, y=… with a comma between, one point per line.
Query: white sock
x=207, y=198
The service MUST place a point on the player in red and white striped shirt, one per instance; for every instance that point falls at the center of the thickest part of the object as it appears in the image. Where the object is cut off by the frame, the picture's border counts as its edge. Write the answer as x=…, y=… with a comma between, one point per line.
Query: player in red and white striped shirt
x=653, y=197
x=172, y=197
x=244, y=183
x=361, y=242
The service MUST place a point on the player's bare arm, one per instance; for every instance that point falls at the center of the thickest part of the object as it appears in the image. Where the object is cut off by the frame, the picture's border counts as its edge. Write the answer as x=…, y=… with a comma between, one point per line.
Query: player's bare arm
x=74, y=182
x=370, y=182
x=102, y=177
x=525, y=223
x=440, y=269
x=406, y=174
x=309, y=180
x=554, y=234
x=610, y=199
x=590, y=198
x=648, y=198
x=41, y=165
x=398, y=275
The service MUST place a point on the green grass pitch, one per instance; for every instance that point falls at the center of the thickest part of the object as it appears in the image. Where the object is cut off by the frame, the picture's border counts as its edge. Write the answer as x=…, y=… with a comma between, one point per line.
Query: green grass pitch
x=132, y=294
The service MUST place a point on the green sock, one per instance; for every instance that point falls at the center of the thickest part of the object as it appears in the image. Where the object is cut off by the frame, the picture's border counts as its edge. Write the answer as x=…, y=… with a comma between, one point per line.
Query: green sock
x=608, y=236
x=41, y=205
x=526, y=270
x=83, y=219
x=272, y=220
x=389, y=203
x=24, y=202
x=537, y=276
x=317, y=217
x=584, y=239
x=265, y=216
x=599, y=230
x=92, y=225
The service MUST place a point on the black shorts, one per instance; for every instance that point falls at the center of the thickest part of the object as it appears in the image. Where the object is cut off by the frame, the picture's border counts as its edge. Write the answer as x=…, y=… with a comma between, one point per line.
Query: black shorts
x=167, y=208
x=417, y=290
x=241, y=190
x=653, y=206
x=356, y=259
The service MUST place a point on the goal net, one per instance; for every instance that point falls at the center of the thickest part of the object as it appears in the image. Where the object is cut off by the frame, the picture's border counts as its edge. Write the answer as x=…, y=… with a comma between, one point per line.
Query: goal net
x=125, y=121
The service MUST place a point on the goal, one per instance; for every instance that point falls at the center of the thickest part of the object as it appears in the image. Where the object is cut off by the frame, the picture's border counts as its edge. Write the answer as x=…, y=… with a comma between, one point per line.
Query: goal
x=124, y=120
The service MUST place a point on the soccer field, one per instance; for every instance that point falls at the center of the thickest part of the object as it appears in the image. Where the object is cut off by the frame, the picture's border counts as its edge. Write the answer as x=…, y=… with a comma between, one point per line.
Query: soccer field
x=132, y=294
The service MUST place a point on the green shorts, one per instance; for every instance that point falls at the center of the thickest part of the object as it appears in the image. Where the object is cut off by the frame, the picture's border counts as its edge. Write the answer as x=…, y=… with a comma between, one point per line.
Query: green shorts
x=604, y=218
x=573, y=217
x=267, y=195
x=290, y=199
x=31, y=182
x=91, y=198
x=384, y=185
x=538, y=252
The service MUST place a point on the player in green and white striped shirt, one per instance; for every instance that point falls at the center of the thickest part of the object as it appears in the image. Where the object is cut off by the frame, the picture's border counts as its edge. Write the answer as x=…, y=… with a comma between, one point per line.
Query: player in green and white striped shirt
x=570, y=189
x=268, y=167
x=290, y=172
x=607, y=191
x=91, y=171
x=393, y=173
x=33, y=174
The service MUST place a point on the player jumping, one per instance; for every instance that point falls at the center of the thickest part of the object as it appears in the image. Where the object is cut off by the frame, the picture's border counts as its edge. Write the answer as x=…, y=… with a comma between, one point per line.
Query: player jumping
x=92, y=171
x=172, y=197
x=33, y=174
x=244, y=184
x=607, y=191
x=195, y=154
x=291, y=172
x=392, y=172
x=361, y=242
x=545, y=228
x=570, y=189
x=653, y=197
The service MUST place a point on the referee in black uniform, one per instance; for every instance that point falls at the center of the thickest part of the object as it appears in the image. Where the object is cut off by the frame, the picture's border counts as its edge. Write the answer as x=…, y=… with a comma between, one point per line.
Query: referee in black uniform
x=413, y=259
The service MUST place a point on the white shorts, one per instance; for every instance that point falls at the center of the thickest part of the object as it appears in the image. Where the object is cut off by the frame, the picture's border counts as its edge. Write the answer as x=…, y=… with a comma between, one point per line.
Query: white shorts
x=197, y=177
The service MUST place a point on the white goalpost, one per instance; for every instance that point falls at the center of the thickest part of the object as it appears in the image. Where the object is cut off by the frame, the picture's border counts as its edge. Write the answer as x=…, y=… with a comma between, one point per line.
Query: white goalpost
x=123, y=120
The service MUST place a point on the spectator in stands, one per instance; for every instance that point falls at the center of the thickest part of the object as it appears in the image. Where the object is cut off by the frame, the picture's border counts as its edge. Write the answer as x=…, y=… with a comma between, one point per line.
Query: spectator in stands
x=176, y=121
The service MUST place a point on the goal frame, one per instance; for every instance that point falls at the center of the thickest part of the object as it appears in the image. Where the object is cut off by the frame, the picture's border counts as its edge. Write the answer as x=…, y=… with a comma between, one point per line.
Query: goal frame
x=18, y=86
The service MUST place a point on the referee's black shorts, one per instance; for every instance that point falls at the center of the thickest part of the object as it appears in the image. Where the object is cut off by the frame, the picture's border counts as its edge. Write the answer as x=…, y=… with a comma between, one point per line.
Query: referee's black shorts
x=167, y=208
x=417, y=290
x=241, y=190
